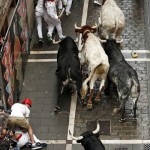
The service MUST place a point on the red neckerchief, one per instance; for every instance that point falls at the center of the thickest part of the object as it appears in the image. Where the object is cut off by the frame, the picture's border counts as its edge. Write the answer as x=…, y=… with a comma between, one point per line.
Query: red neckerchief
x=20, y=135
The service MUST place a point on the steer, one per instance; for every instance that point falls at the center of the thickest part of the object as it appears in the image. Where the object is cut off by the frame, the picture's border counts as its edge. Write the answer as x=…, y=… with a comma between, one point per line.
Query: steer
x=94, y=56
x=90, y=140
x=123, y=76
x=68, y=69
x=111, y=20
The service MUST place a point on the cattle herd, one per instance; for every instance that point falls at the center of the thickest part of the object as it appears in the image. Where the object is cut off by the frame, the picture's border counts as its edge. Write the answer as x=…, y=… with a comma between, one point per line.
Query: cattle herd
x=105, y=63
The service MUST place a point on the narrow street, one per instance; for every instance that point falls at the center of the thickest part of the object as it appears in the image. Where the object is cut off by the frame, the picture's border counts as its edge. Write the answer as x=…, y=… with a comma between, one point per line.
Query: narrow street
x=40, y=84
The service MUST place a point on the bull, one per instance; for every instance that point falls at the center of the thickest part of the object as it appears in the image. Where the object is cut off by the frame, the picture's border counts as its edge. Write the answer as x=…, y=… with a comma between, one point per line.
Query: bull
x=111, y=20
x=90, y=140
x=96, y=59
x=68, y=69
x=123, y=76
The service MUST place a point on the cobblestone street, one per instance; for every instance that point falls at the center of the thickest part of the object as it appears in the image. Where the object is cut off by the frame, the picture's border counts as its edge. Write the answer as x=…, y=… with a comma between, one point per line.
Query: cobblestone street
x=40, y=84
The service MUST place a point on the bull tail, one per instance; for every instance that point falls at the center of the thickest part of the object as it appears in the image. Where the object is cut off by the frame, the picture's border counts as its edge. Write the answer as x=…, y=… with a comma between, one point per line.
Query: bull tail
x=135, y=95
x=135, y=91
x=68, y=69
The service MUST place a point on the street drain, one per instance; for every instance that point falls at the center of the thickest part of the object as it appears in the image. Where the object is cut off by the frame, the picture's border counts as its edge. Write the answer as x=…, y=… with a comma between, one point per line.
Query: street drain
x=147, y=147
x=104, y=126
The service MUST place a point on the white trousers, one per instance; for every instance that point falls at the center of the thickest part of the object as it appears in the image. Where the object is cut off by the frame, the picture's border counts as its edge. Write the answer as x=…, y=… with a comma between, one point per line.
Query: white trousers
x=59, y=4
x=51, y=22
x=68, y=3
x=38, y=16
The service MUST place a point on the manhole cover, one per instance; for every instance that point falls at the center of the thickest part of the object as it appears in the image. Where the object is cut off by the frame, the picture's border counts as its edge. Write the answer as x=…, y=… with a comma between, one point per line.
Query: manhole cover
x=104, y=126
x=147, y=147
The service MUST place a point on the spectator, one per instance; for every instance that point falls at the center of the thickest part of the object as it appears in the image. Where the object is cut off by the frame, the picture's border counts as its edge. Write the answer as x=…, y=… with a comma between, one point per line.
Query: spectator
x=52, y=19
x=19, y=117
x=39, y=10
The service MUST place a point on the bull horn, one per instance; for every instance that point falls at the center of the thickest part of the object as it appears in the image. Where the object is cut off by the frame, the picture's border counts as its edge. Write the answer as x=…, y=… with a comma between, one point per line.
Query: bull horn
x=97, y=129
x=76, y=27
x=75, y=138
x=102, y=41
x=95, y=27
x=119, y=41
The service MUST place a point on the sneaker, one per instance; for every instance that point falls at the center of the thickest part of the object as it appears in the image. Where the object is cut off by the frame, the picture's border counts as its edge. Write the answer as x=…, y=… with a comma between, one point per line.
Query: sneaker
x=38, y=144
x=97, y=2
x=34, y=146
x=44, y=145
x=49, y=38
x=63, y=37
x=68, y=13
x=41, y=144
x=41, y=40
x=28, y=145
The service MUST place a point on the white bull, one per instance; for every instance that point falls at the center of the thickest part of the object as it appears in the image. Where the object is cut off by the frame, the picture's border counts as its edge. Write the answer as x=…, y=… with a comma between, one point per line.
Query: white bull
x=94, y=56
x=111, y=20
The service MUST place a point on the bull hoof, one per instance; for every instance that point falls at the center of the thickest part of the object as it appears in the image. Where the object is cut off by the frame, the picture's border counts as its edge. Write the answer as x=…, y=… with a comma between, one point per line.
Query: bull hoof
x=57, y=109
x=89, y=106
x=97, y=100
x=122, y=120
x=83, y=102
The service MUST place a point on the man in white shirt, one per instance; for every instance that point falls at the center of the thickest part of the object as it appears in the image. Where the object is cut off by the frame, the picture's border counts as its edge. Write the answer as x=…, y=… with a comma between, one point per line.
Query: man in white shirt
x=19, y=117
x=52, y=19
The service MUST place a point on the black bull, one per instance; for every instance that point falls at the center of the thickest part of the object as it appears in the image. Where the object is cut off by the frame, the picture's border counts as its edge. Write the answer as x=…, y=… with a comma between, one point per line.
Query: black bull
x=68, y=69
x=90, y=139
x=123, y=76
